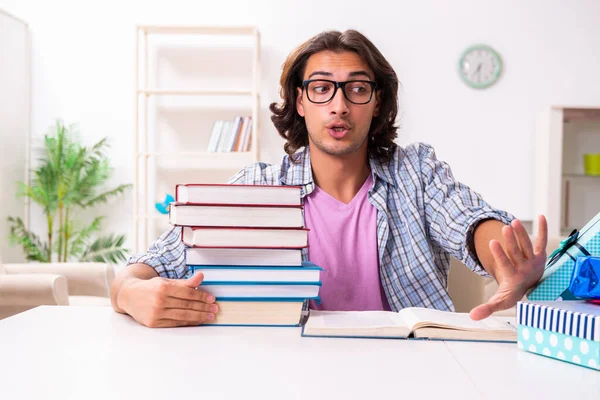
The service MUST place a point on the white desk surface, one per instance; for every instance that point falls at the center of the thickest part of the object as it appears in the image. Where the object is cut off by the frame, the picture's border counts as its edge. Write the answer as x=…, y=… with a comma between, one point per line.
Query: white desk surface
x=92, y=352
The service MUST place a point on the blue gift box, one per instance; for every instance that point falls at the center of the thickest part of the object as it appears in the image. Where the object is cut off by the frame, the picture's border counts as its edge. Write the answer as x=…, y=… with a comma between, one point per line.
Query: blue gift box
x=556, y=279
x=564, y=330
x=585, y=282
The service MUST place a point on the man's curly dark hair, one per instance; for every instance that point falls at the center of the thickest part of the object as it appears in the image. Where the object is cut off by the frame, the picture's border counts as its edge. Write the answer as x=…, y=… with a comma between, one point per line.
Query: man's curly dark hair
x=292, y=127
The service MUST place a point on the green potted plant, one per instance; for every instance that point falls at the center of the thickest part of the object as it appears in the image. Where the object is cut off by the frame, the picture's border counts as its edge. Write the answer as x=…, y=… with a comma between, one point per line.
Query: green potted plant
x=68, y=179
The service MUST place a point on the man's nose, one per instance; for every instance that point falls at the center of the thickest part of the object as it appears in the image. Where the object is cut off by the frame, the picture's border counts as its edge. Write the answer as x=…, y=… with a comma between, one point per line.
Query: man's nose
x=339, y=103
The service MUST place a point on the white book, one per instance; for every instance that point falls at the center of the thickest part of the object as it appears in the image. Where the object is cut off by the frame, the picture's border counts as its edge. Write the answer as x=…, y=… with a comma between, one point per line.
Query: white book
x=197, y=193
x=235, y=216
x=225, y=134
x=245, y=237
x=235, y=129
x=413, y=322
x=214, y=136
x=247, y=312
x=252, y=257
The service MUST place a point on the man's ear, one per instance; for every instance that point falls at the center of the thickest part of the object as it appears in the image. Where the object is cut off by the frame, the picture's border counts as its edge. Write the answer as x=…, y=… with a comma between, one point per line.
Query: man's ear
x=377, y=109
x=299, y=103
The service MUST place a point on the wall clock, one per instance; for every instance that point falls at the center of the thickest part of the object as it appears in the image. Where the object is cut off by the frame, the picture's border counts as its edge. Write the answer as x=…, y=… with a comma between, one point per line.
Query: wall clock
x=480, y=66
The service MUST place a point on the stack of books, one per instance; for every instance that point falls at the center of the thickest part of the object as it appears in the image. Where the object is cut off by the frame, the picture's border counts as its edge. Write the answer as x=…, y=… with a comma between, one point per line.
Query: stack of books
x=247, y=240
x=564, y=330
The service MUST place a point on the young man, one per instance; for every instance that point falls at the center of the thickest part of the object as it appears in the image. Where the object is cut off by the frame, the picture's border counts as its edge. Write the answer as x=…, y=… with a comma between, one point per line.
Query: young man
x=383, y=220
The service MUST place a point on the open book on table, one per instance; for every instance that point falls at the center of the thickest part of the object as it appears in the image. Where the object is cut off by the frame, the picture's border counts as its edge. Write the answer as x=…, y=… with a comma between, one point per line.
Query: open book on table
x=408, y=323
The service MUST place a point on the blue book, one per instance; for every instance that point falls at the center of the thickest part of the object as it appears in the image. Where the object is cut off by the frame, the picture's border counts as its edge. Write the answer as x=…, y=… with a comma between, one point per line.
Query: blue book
x=308, y=272
x=303, y=290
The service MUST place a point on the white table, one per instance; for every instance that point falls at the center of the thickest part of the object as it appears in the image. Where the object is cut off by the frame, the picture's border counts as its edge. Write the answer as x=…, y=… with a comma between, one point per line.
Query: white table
x=93, y=352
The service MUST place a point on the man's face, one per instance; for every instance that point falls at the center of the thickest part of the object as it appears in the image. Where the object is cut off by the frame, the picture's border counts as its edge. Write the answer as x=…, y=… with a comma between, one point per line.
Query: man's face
x=337, y=127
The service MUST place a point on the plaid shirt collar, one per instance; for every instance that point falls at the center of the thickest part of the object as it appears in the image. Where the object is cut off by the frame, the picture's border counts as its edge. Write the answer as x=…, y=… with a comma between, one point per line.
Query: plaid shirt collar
x=300, y=174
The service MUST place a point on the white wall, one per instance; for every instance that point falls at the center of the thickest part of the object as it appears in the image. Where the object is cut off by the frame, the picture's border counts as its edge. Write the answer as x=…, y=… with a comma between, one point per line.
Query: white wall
x=83, y=71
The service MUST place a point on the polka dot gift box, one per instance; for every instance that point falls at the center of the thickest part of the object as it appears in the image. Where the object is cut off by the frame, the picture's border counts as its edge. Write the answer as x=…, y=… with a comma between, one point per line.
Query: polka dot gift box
x=564, y=330
x=554, y=284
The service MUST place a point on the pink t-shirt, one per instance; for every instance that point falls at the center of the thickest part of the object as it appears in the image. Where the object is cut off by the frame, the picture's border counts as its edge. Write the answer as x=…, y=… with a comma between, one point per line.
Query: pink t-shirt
x=343, y=241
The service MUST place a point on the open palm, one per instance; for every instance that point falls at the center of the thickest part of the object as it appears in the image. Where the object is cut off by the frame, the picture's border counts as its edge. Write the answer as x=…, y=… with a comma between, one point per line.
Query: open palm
x=517, y=269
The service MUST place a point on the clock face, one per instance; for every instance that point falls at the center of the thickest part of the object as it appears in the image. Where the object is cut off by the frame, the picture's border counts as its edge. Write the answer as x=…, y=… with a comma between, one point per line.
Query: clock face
x=480, y=66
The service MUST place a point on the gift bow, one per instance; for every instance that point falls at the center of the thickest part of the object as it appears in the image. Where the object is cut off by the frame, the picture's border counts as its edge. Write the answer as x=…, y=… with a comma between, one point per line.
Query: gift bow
x=566, y=245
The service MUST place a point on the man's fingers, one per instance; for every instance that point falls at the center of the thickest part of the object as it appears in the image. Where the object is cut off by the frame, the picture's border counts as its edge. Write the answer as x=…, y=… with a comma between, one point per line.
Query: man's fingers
x=186, y=289
x=542, y=238
x=482, y=311
x=190, y=316
x=170, y=323
x=191, y=282
x=174, y=302
x=500, y=256
x=190, y=294
x=523, y=238
x=512, y=248
x=172, y=288
x=485, y=310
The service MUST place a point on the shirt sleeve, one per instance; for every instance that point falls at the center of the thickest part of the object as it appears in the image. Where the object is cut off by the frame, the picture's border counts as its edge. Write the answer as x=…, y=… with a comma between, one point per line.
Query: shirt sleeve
x=166, y=255
x=453, y=210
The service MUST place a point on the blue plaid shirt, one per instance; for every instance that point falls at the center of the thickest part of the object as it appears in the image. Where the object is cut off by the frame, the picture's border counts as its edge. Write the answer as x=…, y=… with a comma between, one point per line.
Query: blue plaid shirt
x=424, y=216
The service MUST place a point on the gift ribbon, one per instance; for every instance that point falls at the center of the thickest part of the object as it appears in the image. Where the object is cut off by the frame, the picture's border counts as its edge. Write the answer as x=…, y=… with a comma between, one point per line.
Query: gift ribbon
x=566, y=245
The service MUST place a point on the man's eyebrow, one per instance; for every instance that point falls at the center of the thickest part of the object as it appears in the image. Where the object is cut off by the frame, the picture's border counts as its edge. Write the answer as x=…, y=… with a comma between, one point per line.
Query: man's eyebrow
x=319, y=73
x=359, y=73
x=351, y=74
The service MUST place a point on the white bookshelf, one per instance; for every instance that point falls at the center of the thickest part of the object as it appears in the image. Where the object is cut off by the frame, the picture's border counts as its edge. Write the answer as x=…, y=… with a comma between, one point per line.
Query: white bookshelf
x=157, y=165
x=15, y=126
x=562, y=191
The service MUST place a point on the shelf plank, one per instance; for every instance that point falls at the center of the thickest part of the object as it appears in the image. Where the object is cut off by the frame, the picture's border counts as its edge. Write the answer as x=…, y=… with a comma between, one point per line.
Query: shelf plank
x=198, y=30
x=581, y=176
x=204, y=154
x=193, y=92
x=581, y=114
x=233, y=161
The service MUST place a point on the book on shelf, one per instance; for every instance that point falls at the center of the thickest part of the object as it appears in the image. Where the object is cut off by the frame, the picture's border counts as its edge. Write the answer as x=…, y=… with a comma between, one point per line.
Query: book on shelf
x=238, y=194
x=252, y=216
x=213, y=142
x=249, y=257
x=230, y=135
x=292, y=238
x=263, y=312
x=303, y=290
x=308, y=272
x=408, y=323
x=246, y=135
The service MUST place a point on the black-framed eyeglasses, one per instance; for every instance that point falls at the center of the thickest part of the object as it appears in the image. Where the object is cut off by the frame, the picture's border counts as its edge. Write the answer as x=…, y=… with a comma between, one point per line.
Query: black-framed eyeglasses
x=321, y=91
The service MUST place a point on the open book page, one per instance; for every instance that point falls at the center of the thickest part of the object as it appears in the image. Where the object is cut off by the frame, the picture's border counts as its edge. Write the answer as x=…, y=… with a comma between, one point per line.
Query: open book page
x=417, y=317
x=435, y=324
x=355, y=323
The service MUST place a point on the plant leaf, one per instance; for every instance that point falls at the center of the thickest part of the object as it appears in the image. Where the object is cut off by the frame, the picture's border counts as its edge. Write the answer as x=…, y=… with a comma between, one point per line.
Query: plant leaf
x=33, y=247
x=81, y=237
x=108, y=249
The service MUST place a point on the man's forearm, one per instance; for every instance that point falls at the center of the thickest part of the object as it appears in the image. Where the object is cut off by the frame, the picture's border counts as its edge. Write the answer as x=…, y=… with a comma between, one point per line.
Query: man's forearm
x=126, y=275
x=485, y=232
